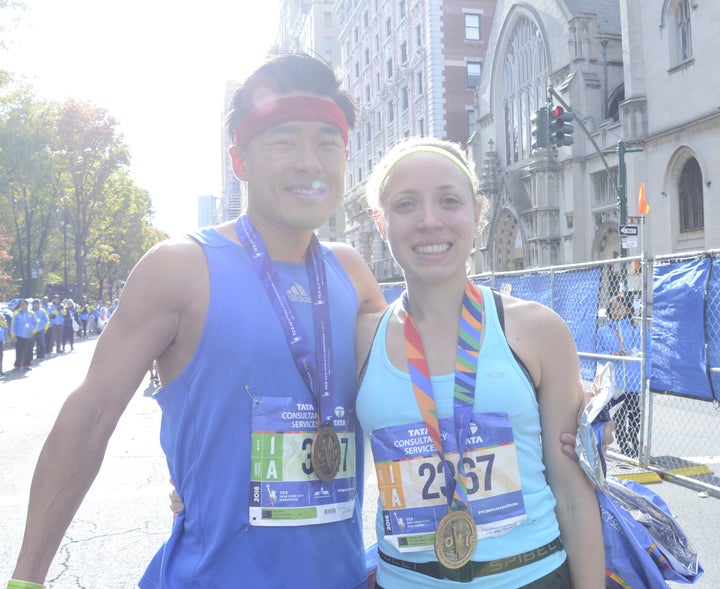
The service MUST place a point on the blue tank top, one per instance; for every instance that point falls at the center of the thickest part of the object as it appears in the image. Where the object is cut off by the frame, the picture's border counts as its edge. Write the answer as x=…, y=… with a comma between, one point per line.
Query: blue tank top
x=386, y=403
x=209, y=433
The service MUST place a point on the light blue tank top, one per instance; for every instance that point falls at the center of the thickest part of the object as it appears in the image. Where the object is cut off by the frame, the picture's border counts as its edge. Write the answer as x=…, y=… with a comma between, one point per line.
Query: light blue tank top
x=207, y=417
x=386, y=399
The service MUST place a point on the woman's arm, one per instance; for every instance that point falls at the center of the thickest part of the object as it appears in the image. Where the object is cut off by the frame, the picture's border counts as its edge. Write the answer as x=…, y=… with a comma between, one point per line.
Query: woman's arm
x=560, y=395
x=544, y=343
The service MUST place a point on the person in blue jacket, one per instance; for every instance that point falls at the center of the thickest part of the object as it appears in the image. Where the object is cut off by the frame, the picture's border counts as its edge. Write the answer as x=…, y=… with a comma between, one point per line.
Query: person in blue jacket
x=57, y=313
x=3, y=333
x=45, y=304
x=83, y=316
x=621, y=337
x=43, y=325
x=24, y=325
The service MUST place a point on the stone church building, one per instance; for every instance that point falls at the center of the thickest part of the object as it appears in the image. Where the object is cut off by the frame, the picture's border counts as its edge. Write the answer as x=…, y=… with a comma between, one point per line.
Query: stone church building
x=642, y=79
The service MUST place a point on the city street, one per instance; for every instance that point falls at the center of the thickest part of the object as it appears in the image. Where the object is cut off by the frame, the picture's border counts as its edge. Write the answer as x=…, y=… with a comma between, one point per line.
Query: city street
x=126, y=515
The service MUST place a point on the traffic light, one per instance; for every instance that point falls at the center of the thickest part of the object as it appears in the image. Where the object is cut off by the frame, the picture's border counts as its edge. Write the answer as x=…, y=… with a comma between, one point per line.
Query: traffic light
x=560, y=131
x=539, y=128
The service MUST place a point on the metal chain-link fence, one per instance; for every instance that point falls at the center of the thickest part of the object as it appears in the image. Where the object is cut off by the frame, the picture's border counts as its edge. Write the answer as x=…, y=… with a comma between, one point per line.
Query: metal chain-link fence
x=658, y=321
x=682, y=427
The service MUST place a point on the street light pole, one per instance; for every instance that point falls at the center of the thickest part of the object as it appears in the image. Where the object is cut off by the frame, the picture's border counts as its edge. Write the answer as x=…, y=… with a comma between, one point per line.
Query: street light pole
x=621, y=150
x=65, y=249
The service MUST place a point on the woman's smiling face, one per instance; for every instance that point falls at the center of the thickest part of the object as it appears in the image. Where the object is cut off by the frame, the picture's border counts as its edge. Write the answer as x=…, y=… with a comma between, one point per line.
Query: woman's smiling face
x=429, y=215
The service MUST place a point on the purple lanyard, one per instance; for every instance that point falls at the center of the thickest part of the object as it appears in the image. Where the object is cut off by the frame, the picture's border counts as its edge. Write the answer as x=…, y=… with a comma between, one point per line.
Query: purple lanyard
x=306, y=360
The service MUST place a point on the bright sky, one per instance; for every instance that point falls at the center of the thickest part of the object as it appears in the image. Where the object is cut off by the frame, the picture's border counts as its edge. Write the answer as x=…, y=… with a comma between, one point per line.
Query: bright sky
x=159, y=67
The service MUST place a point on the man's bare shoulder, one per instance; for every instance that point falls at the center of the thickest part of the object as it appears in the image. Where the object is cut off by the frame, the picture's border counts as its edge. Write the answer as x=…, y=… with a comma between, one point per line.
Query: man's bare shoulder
x=174, y=246
x=175, y=256
x=170, y=275
x=164, y=302
x=369, y=295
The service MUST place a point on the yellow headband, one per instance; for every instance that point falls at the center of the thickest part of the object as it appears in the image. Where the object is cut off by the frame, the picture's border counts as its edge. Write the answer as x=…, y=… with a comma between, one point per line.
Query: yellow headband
x=432, y=149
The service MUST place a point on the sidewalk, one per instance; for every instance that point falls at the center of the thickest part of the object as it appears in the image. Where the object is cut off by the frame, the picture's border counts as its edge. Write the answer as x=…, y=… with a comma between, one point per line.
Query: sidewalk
x=697, y=512
x=700, y=518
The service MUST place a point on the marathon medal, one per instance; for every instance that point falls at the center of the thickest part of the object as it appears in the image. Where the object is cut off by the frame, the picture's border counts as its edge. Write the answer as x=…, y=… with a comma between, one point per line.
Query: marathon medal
x=325, y=457
x=455, y=539
x=456, y=533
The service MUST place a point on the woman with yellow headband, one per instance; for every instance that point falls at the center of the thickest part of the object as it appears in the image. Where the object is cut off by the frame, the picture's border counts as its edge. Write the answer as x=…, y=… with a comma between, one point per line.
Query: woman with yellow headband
x=464, y=395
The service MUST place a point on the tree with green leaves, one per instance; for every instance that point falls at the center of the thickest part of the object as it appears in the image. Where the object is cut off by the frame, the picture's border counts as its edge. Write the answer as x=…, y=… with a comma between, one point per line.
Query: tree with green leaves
x=9, y=16
x=89, y=150
x=65, y=195
x=26, y=181
x=120, y=234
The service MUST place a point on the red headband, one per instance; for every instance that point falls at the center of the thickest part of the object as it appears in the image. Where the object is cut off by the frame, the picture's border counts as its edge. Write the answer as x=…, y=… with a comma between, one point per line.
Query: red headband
x=286, y=109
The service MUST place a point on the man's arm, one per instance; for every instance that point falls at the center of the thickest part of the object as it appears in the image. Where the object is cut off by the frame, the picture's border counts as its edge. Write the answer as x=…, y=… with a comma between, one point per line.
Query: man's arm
x=144, y=325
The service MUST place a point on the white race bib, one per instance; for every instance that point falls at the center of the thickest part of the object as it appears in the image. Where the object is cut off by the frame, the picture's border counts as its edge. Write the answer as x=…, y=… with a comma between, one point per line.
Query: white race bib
x=284, y=490
x=411, y=479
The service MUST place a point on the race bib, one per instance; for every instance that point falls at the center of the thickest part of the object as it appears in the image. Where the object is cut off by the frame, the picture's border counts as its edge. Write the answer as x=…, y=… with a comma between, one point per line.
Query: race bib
x=284, y=490
x=411, y=479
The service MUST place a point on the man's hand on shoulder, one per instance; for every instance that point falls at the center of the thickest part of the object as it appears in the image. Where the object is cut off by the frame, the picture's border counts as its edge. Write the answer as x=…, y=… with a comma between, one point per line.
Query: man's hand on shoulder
x=568, y=439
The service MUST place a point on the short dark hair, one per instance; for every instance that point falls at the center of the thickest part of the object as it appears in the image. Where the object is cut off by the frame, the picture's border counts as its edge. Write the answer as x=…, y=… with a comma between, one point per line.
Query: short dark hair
x=289, y=73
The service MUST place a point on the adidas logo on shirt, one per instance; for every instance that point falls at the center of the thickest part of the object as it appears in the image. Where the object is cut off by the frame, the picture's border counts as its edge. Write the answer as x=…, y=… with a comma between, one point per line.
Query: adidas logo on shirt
x=296, y=293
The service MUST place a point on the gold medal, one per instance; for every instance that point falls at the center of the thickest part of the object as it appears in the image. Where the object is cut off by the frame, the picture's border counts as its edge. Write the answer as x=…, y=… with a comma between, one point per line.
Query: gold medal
x=325, y=457
x=455, y=539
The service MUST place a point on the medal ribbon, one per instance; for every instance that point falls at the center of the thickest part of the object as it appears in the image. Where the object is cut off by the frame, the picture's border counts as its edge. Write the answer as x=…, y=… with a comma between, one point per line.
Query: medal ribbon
x=618, y=335
x=470, y=337
x=306, y=360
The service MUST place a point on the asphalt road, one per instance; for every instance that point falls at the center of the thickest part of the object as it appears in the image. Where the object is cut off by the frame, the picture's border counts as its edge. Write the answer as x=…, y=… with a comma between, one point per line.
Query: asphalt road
x=125, y=515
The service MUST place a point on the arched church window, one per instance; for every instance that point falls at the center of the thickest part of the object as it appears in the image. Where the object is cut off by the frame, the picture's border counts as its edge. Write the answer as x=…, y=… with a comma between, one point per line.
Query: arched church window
x=684, y=31
x=613, y=106
x=690, y=197
x=525, y=78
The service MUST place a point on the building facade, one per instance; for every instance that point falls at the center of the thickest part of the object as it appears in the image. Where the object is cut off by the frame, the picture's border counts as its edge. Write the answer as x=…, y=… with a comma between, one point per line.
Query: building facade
x=413, y=66
x=628, y=77
x=642, y=86
x=208, y=210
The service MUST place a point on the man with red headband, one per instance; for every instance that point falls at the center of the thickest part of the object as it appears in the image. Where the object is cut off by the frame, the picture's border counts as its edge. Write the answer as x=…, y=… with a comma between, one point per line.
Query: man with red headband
x=256, y=359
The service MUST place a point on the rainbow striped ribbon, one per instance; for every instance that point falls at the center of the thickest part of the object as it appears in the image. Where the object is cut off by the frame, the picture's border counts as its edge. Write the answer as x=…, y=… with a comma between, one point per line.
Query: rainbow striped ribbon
x=470, y=337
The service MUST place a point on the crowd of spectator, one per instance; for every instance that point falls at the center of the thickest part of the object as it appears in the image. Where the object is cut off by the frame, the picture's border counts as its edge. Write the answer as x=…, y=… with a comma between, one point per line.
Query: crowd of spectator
x=45, y=326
